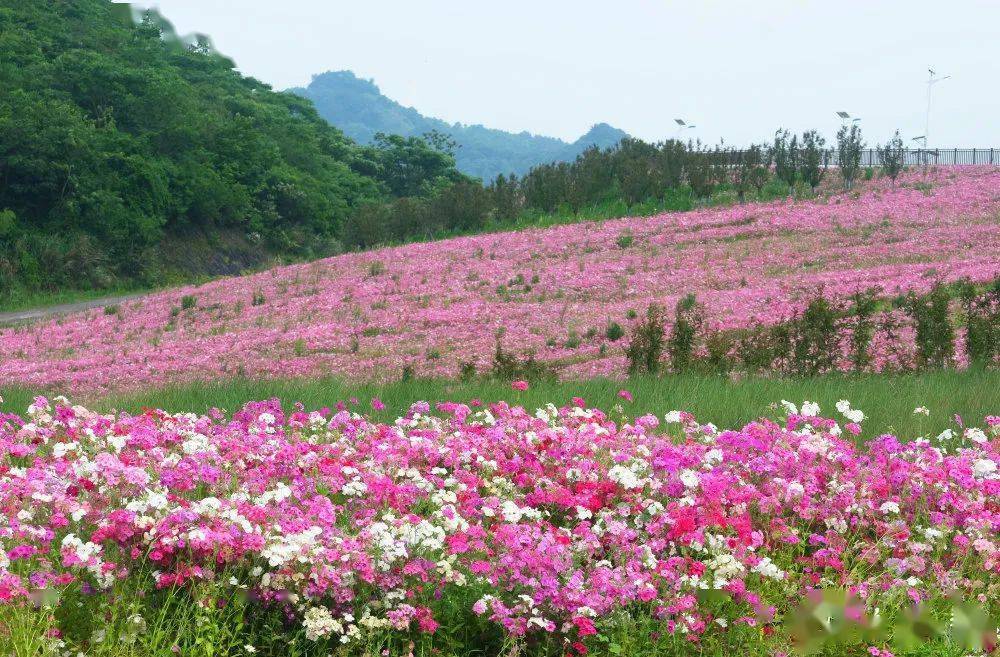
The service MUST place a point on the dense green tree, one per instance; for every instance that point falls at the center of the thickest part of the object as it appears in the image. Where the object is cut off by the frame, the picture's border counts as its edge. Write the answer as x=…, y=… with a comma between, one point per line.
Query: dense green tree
x=117, y=138
x=413, y=166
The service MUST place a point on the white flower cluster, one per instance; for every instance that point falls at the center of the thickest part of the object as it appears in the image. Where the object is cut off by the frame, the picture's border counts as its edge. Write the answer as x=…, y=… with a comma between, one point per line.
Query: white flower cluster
x=768, y=568
x=976, y=435
x=281, y=548
x=196, y=443
x=320, y=623
x=725, y=567
x=89, y=555
x=984, y=468
x=810, y=409
x=852, y=414
x=673, y=417
x=396, y=540
x=889, y=507
x=631, y=476
x=689, y=478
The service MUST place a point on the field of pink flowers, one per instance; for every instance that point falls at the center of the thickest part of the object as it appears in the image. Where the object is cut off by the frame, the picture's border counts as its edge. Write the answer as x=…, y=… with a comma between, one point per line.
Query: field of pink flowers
x=480, y=528
x=433, y=306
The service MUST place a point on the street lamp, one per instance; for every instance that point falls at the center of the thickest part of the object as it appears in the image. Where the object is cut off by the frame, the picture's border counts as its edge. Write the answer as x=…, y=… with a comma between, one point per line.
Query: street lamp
x=682, y=126
x=931, y=81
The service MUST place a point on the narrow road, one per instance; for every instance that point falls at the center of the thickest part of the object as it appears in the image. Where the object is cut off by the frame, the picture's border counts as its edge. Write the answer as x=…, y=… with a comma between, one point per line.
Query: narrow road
x=33, y=314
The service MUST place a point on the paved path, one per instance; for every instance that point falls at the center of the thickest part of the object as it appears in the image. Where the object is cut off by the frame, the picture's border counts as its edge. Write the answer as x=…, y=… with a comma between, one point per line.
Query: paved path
x=46, y=312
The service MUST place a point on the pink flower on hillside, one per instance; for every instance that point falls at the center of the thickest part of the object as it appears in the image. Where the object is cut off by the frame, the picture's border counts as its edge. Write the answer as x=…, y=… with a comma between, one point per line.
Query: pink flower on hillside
x=625, y=394
x=519, y=385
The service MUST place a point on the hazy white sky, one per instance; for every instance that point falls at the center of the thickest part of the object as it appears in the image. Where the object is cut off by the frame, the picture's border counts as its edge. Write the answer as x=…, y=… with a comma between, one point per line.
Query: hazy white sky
x=736, y=69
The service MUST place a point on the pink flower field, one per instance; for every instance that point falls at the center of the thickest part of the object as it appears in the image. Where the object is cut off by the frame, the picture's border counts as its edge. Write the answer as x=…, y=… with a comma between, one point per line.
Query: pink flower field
x=433, y=306
x=457, y=524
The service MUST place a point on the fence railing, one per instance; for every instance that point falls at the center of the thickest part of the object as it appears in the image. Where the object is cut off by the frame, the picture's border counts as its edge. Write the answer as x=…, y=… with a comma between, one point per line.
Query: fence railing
x=929, y=156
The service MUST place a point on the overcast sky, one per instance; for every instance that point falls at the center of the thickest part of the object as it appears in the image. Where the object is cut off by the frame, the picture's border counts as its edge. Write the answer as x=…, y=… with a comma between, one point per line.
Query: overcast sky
x=737, y=70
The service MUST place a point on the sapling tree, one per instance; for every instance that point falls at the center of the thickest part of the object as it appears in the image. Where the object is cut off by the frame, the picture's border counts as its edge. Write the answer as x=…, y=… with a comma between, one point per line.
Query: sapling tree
x=785, y=153
x=890, y=157
x=812, y=164
x=750, y=170
x=849, y=147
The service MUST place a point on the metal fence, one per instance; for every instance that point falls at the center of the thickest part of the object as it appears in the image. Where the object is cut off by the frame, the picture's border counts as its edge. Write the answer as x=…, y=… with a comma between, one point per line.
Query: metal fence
x=930, y=156
x=943, y=156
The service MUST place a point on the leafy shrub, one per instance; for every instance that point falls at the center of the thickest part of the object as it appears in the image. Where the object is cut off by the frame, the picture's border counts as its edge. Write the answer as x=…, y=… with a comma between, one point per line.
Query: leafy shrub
x=688, y=321
x=814, y=337
x=508, y=367
x=863, y=307
x=935, y=338
x=258, y=298
x=718, y=347
x=467, y=371
x=188, y=301
x=647, y=342
x=614, y=332
x=625, y=240
x=982, y=321
x=763, y=348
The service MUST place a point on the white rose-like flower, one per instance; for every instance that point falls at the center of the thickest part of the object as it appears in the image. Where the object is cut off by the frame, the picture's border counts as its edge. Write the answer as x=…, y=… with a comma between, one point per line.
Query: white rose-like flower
x=889, y=507
x=810, y=409
x=983, y=467
x=689, y=478
x=976, y=435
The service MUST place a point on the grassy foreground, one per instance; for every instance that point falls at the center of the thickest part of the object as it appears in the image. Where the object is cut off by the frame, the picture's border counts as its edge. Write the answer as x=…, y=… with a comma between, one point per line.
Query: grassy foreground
x=887, y=400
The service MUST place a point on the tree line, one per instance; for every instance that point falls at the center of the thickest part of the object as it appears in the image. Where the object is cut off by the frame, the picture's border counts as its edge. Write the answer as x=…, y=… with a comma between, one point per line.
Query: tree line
x=668, y=175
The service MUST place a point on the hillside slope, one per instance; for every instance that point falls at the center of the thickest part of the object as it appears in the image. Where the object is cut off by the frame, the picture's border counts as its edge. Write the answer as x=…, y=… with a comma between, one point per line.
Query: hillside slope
x=359, y=108
x=433, y=306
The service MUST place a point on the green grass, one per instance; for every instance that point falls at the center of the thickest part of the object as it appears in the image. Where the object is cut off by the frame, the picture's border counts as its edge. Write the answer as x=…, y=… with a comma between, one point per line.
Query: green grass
x=30, y=300
x=887, y=400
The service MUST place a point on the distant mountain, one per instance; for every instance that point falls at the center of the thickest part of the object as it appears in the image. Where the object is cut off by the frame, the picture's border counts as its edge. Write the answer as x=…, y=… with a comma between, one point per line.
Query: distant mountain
x=360, y=109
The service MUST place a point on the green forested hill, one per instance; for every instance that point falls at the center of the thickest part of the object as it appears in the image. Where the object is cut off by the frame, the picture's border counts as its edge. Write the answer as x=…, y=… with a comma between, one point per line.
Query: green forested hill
x=359, y=108
x=123, y=151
